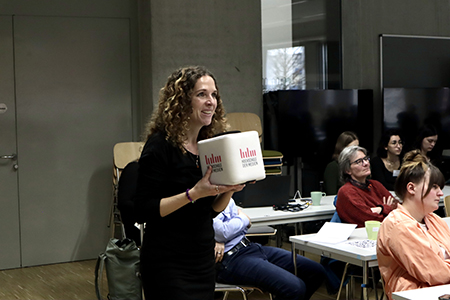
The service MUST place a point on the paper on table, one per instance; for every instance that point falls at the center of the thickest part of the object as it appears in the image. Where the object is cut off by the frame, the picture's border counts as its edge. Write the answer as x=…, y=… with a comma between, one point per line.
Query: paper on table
x=334, y=233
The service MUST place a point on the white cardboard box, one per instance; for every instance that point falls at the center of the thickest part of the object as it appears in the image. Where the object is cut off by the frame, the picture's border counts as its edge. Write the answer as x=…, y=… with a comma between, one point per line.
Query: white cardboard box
x=235, y=158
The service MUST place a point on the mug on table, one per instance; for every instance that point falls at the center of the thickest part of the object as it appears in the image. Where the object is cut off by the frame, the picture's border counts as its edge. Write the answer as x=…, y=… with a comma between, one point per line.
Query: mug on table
x=316, y=197
x=372, y=228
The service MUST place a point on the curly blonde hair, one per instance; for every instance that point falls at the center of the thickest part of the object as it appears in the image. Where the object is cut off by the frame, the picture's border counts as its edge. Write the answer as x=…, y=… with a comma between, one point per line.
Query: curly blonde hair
x=174, y=108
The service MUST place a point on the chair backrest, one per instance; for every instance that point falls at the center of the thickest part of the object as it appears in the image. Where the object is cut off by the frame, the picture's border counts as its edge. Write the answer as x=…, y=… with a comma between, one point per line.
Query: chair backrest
x=447, y=205
x=125, y=153
x=244, y=121
x=335, y=218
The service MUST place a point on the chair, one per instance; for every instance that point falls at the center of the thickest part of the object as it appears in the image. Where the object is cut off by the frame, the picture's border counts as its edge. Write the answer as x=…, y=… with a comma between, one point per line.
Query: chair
x=447, y=205
x=244, y=290
x=261, y=231
x=123, y=153
x=261, y=234
x=243, y=121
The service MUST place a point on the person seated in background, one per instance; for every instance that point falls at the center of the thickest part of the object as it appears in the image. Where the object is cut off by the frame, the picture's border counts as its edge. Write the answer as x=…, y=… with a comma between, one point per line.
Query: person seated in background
x=386, y=165
x=268, y=268
x=331, y=180
x=360, y=199
x=426, y=141
x=413, y=246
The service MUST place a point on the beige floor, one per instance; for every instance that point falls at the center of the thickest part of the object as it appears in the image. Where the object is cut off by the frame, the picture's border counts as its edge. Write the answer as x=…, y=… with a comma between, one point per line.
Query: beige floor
x=60, y=281
x=70, y=281
x=76, y=281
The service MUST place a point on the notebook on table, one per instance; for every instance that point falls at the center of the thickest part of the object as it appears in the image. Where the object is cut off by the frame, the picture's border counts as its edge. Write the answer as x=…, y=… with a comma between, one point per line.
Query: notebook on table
x=273, y=190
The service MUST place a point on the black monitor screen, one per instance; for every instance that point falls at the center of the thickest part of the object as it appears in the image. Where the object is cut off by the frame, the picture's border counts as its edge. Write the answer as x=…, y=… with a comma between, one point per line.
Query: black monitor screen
x=309, y=121
x=305, y=124
x=411, y=108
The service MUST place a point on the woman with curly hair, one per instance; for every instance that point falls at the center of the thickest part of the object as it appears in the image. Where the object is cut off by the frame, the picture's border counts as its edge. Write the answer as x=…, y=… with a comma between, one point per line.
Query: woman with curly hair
x=175, y=201
x=387, y=163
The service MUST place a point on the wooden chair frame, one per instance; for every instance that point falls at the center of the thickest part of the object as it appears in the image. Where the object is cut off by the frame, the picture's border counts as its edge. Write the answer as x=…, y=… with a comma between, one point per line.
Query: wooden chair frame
x=244, y=290
x=447, y=205
x=123, y=154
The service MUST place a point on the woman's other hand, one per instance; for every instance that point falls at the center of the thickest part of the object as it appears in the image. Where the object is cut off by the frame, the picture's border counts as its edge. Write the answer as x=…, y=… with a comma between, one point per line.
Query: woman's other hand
x=204, y=188
x=389, y=201
x=376, y=210
x=218, y=251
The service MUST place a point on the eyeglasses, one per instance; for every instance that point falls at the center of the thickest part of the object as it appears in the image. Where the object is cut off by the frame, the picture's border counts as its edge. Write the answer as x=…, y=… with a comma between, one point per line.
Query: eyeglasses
x=361, y=160
x=395, y=143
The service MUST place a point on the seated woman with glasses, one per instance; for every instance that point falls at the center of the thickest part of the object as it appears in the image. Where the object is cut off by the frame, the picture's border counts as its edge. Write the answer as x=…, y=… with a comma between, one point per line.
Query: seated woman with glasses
x=386, y=165
x=413, y=246
x=360, y=199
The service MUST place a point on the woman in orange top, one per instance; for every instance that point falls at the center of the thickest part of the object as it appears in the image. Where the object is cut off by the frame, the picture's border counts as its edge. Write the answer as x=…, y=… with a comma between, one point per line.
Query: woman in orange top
x=413, y=247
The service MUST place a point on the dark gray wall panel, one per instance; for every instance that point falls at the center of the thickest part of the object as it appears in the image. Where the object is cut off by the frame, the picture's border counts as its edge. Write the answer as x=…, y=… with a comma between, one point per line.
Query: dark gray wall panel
x=76, y=8
x=73, y=104
x=224, y=36
x=363, y=21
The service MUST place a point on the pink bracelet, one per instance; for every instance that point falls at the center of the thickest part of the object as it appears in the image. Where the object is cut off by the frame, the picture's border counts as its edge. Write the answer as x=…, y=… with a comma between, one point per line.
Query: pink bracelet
x=189, y=197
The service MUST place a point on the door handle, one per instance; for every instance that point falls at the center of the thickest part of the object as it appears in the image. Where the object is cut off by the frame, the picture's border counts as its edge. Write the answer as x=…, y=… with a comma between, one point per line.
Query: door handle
x=12, y=156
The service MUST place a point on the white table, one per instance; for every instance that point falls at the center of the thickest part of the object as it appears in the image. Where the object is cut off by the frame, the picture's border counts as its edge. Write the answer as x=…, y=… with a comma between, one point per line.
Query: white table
x=364, y=257
x=425, y=293
x=263, y=216
x=266, y=216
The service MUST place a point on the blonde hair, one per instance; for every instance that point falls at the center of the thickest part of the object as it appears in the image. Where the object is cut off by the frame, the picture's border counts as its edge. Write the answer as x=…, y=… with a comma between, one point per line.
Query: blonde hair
x=174, y=108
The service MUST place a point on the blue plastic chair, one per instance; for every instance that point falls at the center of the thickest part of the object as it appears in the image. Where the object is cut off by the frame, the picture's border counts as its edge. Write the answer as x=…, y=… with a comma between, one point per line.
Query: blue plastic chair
x=335, y=218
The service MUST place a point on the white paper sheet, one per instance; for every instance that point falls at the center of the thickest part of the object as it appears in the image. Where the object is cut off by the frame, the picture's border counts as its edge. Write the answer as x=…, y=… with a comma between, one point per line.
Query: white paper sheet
x=334, y=233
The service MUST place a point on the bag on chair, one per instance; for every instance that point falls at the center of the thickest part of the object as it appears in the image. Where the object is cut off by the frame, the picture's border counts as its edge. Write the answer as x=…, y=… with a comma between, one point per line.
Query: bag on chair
x=121, y=261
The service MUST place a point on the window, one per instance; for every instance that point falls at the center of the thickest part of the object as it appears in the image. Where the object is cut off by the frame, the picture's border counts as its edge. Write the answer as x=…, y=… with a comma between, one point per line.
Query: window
x=285, y=69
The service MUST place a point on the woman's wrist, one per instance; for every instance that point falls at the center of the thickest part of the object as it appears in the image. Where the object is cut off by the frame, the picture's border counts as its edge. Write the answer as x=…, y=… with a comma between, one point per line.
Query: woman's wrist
x=382, y=208
x=191, y=195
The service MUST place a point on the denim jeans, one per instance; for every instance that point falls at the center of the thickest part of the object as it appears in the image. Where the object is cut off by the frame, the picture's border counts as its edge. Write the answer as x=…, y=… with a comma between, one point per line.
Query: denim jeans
x=271, y=269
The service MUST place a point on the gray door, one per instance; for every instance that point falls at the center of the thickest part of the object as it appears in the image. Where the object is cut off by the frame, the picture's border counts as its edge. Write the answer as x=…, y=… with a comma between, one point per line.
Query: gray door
x=73, y=103
x=9, y=204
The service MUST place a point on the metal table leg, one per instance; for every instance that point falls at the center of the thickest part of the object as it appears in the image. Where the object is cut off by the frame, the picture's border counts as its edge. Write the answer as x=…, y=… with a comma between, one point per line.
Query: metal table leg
x=294, y=258
x=365, y=288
